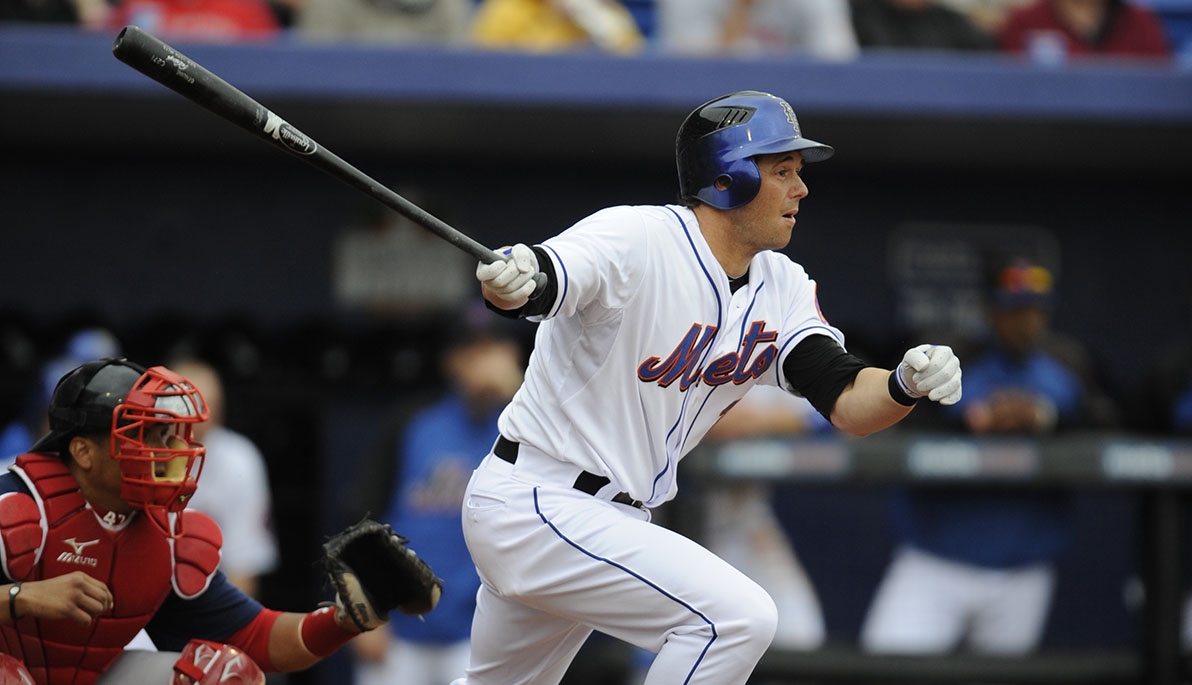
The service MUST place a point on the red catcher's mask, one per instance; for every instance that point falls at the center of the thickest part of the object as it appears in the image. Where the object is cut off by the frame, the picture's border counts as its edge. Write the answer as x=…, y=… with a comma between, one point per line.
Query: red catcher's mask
x=153, y=440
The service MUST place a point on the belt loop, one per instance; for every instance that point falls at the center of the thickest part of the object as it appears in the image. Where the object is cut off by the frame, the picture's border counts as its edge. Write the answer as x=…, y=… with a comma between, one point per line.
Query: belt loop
x=590, y=483
x=505, y=449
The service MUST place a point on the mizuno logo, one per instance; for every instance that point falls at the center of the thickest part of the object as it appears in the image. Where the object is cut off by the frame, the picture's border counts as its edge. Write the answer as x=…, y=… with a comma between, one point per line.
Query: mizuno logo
x=77, y=556
x=80, y=546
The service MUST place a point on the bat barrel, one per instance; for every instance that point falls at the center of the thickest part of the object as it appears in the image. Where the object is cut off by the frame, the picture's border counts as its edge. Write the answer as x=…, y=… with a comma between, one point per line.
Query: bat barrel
x=174, y=70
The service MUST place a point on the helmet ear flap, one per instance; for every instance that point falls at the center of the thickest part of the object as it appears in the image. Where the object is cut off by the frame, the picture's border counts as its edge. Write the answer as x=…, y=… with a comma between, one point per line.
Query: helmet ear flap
x=744, y=180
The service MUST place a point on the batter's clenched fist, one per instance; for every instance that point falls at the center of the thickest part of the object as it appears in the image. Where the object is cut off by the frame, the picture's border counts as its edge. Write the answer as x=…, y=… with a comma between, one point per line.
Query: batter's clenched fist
x=931, y=371
x=510, y=283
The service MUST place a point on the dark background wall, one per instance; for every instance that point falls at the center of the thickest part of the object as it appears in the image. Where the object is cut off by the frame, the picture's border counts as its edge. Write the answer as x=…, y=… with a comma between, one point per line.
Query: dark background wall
x=130, y=234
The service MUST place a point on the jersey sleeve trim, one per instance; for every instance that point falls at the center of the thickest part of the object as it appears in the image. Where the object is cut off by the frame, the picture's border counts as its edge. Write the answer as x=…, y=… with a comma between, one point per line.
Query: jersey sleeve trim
x=549, y=300
x=562, y=281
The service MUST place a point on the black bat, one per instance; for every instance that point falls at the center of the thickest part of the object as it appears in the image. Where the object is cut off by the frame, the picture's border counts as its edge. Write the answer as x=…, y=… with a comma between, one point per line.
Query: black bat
x=162, y=63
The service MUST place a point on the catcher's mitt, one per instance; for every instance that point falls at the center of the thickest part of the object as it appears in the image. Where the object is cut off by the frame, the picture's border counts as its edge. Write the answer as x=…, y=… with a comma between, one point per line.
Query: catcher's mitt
x=373, y=572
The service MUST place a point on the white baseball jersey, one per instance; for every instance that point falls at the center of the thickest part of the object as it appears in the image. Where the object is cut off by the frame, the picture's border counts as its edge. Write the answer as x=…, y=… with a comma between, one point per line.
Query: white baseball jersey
x=234, y=490
x=645, y=345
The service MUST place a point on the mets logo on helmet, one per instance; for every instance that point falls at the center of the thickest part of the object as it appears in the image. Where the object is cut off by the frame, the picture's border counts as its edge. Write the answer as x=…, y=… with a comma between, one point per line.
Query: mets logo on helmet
x=790, y=117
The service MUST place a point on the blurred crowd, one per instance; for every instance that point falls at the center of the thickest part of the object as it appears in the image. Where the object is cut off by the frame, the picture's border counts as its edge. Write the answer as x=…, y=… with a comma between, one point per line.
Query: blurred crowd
x=1047, y=31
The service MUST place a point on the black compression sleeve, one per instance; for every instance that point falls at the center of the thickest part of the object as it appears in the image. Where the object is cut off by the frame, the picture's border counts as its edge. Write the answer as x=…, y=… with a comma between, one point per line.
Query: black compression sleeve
x=542, y=302
x=820, y=369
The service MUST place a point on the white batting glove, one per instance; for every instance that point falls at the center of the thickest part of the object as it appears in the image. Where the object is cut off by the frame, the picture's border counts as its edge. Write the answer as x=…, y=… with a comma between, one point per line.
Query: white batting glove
x=931, y=371
x=512, y=280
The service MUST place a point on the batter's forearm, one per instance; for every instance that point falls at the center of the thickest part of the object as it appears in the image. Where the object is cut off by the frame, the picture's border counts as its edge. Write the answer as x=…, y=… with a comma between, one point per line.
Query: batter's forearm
x=865, y=406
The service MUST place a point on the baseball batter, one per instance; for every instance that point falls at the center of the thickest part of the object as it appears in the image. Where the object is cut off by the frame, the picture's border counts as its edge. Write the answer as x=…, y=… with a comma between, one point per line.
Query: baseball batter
x=655, y=321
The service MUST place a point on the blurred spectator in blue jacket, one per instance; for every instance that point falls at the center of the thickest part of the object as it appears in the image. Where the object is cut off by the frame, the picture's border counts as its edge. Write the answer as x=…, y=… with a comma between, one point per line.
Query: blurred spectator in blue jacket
x=387, y=21
x=1056, y=29
x=23, y=430
x=437, y=451
x=83, y=345
x=975, y=566
x=818, y=28
x=916, y=25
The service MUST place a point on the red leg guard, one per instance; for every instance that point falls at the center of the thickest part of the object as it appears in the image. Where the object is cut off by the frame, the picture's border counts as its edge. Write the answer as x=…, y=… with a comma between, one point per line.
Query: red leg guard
x=208, y=663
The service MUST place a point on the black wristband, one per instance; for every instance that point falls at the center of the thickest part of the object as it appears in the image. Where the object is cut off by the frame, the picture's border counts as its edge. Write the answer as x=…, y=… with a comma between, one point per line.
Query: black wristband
x=12, y=600
x=898, y=394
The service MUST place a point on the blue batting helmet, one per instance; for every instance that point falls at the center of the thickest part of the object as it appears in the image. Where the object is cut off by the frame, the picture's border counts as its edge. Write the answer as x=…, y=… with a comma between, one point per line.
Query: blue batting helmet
x=720, y=138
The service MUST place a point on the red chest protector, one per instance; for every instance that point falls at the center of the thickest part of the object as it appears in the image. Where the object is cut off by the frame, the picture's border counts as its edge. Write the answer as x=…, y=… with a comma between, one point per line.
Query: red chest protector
x=55, y=533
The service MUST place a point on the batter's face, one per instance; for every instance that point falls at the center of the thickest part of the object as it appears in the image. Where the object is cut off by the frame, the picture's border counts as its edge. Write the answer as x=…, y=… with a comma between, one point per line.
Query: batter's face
x=766, y=222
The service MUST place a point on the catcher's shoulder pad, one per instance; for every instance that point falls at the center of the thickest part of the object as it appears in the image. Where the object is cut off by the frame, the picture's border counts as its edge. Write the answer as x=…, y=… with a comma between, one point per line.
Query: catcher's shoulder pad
x=196, y=553
x=22, y=534
x=49, y=477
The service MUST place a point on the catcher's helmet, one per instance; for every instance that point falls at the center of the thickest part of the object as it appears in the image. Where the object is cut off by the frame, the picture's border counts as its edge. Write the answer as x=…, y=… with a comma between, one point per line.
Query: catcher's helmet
x=127, y=401
x=721, y=137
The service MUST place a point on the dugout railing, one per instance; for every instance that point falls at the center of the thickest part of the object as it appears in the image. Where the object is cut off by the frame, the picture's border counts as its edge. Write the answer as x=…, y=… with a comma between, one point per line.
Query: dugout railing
x=1157, y=471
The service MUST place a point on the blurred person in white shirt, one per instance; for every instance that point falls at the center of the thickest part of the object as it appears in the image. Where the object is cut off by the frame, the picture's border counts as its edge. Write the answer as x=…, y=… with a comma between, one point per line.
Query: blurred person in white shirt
x=235, y=486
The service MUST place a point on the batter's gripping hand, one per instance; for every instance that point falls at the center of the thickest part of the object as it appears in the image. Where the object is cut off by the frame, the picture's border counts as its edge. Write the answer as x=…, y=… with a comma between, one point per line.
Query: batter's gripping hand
x=512, y=281
x=373, y=572
x=932, y=371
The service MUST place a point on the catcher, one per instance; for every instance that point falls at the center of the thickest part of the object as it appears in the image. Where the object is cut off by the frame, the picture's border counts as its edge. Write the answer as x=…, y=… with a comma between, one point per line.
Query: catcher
x=96, y=544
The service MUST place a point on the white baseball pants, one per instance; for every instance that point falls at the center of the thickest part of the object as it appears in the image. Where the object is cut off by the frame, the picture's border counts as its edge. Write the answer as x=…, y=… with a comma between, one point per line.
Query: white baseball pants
x=556, y=563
